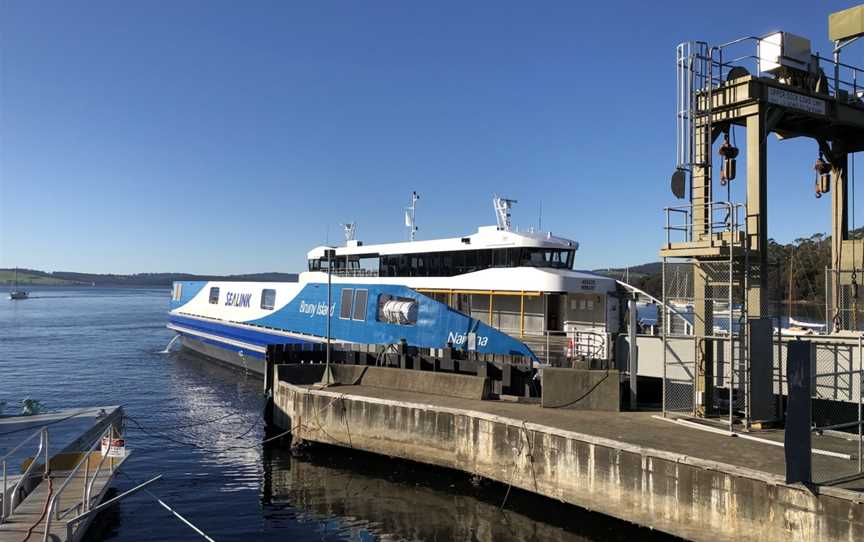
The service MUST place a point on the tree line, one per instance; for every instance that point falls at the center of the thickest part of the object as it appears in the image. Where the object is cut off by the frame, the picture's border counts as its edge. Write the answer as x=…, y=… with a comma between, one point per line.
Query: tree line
x=797, y=268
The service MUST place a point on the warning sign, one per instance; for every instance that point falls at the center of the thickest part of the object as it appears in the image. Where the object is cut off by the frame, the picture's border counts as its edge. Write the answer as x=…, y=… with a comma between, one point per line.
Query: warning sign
x=114, y=447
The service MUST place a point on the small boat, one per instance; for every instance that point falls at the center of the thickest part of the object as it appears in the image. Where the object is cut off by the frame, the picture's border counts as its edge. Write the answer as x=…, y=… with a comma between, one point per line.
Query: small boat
x=807, y=325
x=15, y=292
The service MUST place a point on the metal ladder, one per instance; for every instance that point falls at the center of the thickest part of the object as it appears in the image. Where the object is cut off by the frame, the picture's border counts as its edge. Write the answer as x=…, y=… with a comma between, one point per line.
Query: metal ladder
x=697, y=73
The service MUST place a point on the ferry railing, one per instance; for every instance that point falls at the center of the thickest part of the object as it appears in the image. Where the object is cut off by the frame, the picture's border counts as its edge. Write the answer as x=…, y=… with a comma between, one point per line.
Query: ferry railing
x=53, y=511
x=561, y=347
x=587, y=343
x=13, y=501
x=355, y=272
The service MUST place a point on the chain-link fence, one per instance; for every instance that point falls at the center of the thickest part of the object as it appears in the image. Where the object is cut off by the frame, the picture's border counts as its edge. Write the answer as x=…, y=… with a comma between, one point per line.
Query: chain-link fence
x=844, y=300
x=679, y=370
x=836, y=404
x=679, y=342
x=704, y=337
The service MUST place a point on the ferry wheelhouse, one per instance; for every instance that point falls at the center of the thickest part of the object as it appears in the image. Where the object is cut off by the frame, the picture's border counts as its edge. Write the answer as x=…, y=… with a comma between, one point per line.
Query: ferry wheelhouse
x=495, y=291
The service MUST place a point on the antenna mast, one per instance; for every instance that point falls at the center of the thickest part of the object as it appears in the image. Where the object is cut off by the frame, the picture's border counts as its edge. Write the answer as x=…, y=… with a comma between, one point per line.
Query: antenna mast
x=350, y=229
x=502, y=211
x=410, y=216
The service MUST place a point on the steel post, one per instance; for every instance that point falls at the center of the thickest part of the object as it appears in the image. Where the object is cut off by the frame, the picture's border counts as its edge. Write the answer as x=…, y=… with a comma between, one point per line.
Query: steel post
x=634, y=365
x=664, y=306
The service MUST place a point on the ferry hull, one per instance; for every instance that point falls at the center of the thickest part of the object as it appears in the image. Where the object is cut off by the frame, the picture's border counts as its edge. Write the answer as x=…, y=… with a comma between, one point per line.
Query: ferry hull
x=223, y=355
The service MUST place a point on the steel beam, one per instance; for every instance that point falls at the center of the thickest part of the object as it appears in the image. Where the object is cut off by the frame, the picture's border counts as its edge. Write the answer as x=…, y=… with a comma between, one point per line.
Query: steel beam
x=757, y=213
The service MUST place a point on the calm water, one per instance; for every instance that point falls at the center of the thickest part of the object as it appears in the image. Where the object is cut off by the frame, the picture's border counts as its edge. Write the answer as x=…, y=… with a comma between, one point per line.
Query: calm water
x=92, y=346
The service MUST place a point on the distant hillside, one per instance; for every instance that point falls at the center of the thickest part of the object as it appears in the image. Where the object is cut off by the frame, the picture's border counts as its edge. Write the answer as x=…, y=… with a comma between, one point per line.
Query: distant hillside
x=30, y=276
x=153, y=280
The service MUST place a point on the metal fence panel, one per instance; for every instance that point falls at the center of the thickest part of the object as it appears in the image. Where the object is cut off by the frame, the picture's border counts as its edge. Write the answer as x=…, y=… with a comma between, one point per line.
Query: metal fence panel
x=836, y=408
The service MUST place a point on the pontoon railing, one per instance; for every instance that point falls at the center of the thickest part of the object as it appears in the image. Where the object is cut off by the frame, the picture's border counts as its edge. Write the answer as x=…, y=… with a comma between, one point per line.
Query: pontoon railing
x=84, y=505
x=13, y=501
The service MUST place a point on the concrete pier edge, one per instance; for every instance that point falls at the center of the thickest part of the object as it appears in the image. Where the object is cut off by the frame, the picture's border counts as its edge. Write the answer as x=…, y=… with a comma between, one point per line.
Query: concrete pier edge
x=824, y=513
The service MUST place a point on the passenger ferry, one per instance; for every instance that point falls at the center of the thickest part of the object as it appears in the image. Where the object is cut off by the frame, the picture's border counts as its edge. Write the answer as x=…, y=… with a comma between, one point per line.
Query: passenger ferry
x=495, y=291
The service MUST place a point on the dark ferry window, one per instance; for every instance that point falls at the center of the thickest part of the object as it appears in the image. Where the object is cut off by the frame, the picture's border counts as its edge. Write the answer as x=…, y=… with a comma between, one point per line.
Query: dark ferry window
x=268, y=299
x=484, y=259
x=214, y=295
x=360, y=298
x=345, y=308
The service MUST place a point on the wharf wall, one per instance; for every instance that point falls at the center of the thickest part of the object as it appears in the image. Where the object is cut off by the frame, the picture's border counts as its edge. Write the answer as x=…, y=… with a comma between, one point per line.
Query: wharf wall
x=676, y=493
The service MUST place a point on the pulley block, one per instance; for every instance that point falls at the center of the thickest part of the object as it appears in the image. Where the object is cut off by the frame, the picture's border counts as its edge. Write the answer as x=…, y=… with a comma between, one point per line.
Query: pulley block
x=729, y=153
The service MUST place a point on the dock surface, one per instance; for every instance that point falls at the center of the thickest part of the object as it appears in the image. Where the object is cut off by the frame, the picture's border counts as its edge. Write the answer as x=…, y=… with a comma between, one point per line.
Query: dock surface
x=29, y=516
x=684, y=481
x=70, y=435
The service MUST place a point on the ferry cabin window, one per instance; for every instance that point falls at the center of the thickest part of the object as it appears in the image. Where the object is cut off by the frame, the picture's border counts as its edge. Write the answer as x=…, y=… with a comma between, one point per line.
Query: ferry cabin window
x=448, y=264
x=268, y=299
x=360, y=299
x=214, y=295
x=345, y=307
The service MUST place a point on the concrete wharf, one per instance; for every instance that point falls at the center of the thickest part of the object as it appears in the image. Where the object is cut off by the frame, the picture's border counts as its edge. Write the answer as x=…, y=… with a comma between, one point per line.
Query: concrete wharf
x=630, y=465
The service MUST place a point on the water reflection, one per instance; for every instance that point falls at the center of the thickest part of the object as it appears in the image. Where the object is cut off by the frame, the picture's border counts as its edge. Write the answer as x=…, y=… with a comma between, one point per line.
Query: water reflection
x=358, y=496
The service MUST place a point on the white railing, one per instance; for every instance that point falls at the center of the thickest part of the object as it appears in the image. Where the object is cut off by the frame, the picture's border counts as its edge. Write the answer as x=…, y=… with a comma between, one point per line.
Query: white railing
x=70, y=526
x=13, y=500
x=82, y=506
x=590, y=344
x=668, y=310
x=695, y=58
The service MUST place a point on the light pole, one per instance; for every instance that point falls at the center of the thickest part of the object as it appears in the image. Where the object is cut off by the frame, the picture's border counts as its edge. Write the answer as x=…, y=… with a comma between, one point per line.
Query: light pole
x=328, y=379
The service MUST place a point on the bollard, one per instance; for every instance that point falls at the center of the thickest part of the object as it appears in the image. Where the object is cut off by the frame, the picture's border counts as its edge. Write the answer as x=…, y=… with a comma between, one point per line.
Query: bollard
x=798, y=438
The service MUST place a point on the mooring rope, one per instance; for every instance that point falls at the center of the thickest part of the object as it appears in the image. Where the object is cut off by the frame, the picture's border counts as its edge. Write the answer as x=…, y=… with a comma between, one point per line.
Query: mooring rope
x=174, y=512
x=44, y=508
x=516, y=464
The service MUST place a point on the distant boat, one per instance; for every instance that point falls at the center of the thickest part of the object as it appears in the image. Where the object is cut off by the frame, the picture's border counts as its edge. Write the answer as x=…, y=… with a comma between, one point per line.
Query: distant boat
x=15, y=292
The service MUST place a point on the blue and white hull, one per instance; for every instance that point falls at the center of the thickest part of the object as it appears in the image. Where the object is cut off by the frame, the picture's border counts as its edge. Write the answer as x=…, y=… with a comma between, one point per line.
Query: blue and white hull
x=235, y=321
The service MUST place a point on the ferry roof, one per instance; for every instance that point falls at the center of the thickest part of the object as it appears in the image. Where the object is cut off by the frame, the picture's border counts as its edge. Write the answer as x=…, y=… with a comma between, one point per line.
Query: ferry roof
x=487, y=237
x=514, y=279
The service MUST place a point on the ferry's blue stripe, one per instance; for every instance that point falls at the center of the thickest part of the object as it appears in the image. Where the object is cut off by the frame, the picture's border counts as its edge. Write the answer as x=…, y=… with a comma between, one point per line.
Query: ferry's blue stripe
x=251, y=336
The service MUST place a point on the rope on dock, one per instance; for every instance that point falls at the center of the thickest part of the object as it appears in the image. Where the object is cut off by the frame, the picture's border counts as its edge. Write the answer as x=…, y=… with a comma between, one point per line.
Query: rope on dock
x=44, y=508
x=512, y=471
x=317, y=420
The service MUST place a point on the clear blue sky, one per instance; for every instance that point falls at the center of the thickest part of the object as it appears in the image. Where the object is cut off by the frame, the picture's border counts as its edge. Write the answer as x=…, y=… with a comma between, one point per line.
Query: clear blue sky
x=228, y=137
